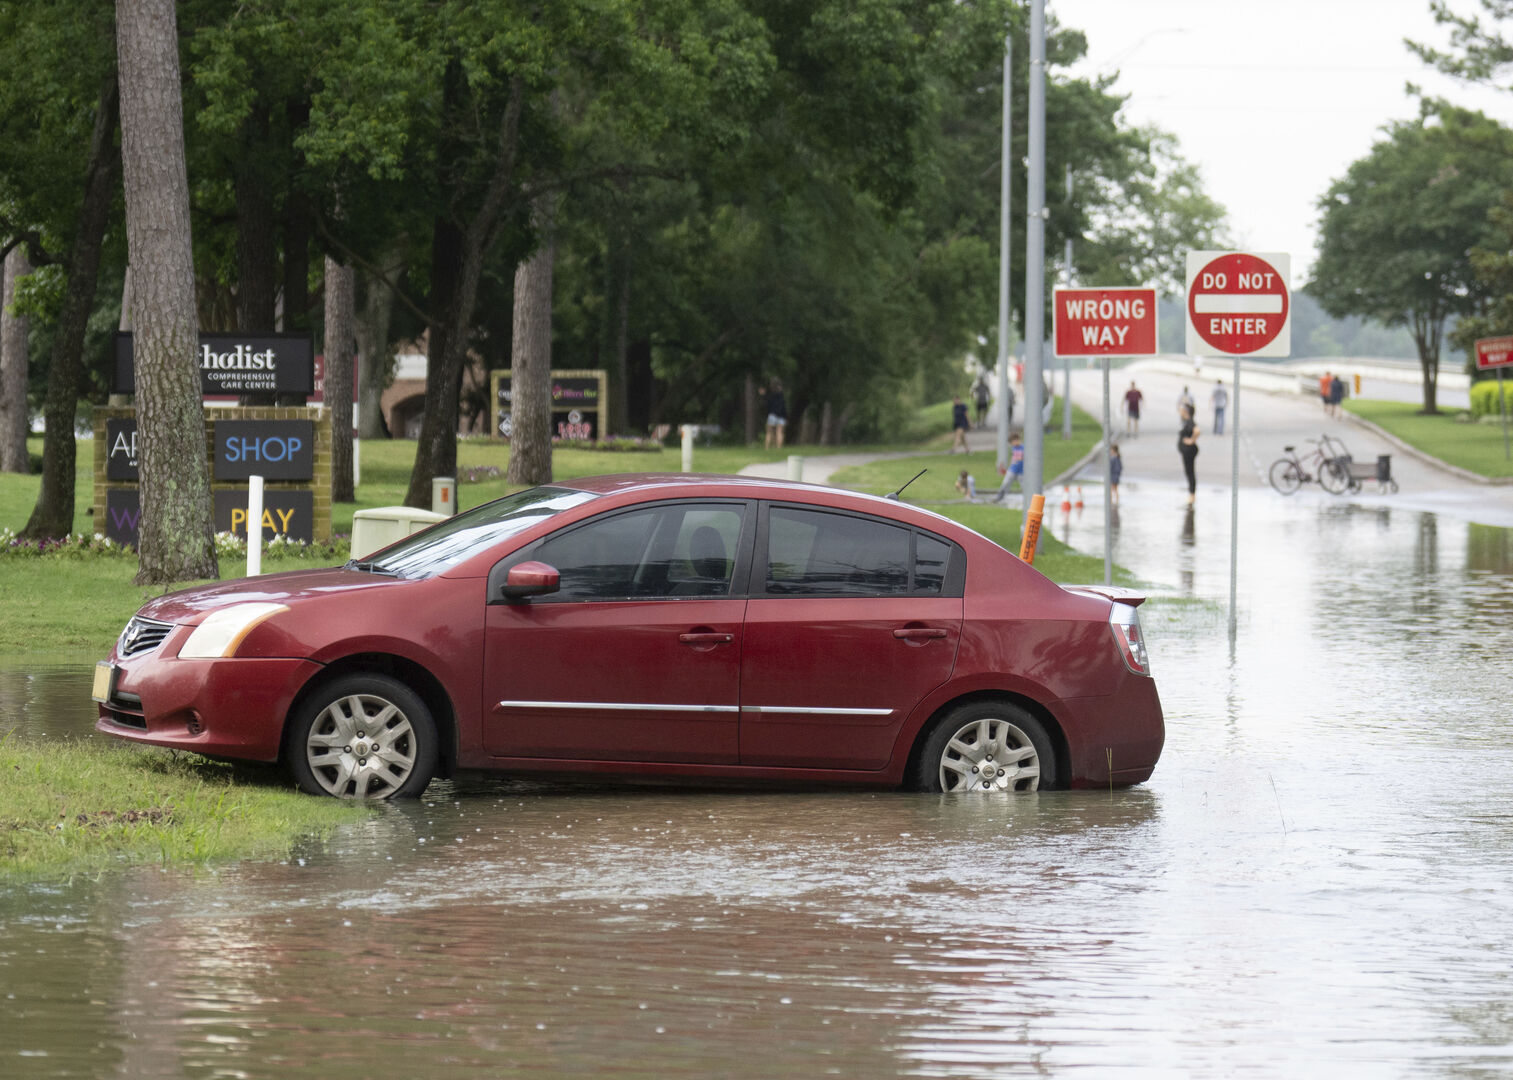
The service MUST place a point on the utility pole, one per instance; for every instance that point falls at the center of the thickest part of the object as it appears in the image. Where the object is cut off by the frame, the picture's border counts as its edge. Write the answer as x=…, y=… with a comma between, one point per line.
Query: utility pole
x=1066, y=361
x=1005, y=416
x=1034, y=266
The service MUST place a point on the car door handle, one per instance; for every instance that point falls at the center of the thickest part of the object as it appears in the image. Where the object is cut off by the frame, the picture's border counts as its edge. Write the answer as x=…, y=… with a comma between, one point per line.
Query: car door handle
x=915, y=633
x=706, y=639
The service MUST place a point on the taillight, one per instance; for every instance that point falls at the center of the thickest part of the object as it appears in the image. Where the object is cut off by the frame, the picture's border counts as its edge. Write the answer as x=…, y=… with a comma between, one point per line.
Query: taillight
x=1125, y=622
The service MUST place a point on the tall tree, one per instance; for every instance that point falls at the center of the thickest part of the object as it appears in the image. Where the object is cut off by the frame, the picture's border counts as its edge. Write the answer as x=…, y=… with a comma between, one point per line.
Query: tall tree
x=1396, y=232
x=531, y=355
x=14, y=416
x=177, y=533
x=338, y=350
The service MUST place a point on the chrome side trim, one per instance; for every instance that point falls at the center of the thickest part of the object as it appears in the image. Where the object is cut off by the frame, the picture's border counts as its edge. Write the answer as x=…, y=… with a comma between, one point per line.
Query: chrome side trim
x=615, y=706
x=814, y=711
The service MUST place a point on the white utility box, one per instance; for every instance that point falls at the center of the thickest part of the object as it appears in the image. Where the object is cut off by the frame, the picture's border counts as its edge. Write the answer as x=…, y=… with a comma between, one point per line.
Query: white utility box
x=382, y=525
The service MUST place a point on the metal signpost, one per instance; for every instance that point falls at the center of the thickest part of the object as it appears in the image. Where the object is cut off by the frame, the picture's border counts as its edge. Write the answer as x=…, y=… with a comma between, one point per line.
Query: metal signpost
x=1104, y=323
x=1238, y=305
x=1495, y=354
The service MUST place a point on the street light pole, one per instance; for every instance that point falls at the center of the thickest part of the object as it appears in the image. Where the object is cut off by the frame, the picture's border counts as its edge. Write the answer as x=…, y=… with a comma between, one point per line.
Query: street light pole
x=1066, y=361
x=1034, y=266
x=1005, y=415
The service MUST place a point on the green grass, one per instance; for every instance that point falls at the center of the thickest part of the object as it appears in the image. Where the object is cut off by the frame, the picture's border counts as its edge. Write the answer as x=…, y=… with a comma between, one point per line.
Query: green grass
x=939, y=482
x=69, y=806
x=1477, y=447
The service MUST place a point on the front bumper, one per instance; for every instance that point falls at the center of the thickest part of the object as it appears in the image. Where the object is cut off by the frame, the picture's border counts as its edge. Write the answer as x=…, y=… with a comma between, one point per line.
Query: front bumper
x=232, y=708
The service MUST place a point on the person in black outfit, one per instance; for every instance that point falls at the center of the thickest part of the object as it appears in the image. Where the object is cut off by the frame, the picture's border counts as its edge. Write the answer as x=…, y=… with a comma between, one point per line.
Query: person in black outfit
x=959, y=424
x=777, y=414
x=1187, y=446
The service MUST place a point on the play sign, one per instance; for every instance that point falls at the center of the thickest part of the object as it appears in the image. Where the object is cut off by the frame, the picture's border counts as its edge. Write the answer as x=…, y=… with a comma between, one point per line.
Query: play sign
x=1238, y=304
x=1105, y=322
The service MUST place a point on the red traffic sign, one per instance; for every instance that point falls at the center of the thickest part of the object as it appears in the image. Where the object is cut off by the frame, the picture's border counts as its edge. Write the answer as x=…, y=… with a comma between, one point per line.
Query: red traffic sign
x=1104, y=322
x=1238, y=304
x=1494, y=352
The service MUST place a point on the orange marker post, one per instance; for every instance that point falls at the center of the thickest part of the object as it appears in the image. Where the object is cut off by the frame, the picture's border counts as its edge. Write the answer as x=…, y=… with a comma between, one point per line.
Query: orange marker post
x=1032, y=529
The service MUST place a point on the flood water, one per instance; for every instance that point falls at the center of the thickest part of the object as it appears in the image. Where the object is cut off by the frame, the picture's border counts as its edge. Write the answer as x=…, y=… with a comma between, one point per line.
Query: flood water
x=1315, y=881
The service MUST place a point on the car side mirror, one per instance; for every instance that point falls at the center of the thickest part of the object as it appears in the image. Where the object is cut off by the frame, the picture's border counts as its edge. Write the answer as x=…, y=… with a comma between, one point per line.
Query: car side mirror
x=530, y=579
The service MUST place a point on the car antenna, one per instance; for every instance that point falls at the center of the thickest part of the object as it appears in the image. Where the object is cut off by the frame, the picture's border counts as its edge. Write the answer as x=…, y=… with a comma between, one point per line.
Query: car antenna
x=894, y=495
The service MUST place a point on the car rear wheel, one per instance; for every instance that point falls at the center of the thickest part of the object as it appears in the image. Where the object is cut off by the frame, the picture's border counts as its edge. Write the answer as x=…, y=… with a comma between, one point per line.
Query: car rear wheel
x=363, y=736
x=986, y=746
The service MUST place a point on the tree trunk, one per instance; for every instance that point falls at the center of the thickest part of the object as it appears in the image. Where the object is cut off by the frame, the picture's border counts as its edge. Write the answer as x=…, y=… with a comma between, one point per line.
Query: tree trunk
x=15, y=420
x=753, y=423
x=177, y=533
x=338, y=347
x=619, y=331
x=371, y=328
x=256, y=256
x=452, y=300
x=531, y=357
x=54, y=513
x=1427, y=333
x=827, y=432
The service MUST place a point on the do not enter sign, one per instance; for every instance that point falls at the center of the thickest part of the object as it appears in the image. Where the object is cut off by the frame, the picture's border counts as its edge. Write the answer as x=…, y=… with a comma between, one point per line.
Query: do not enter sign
x=1237, y=304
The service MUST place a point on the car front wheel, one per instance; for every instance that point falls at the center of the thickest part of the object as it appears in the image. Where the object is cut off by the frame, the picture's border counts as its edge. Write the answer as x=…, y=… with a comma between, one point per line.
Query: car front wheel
x=363, y=736
x=986, y=746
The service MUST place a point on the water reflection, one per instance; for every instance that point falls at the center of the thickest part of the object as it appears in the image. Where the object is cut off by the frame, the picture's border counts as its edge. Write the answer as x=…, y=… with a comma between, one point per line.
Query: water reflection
x=1314, y=880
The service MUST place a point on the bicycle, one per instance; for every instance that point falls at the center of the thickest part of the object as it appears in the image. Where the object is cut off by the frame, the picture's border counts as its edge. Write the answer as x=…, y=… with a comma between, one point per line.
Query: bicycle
x=1288, y=473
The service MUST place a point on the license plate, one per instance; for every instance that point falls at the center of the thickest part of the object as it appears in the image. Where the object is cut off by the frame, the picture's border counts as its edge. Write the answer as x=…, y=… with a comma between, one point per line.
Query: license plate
x=105, y=681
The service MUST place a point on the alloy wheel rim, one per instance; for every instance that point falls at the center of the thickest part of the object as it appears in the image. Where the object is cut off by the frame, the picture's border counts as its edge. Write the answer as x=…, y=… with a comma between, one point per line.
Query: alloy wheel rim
x=361, y=746
x=990, y=754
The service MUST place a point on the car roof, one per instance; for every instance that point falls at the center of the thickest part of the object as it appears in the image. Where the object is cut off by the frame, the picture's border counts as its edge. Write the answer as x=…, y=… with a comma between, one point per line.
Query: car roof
x=694, y=485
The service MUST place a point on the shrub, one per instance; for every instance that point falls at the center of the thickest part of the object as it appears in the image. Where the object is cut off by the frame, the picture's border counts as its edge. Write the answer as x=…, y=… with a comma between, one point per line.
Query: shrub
x=1484, y=397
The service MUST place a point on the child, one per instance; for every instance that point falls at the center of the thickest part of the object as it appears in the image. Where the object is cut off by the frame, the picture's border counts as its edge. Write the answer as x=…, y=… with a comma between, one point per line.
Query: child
x=1016, y=467
x=1115, y=470
x=967, y=486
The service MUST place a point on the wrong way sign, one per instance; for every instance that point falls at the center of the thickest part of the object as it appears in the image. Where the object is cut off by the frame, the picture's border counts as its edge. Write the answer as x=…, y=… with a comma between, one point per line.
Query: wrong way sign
x=1495, y=352
x=1104, y=322
x=1238, y=303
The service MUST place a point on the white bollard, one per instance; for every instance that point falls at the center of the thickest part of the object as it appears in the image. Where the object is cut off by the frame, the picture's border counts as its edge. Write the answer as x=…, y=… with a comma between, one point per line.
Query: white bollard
x=444, y=495
x=356, y=462
x=254, y=526
x=687, y=430
x=795, y=466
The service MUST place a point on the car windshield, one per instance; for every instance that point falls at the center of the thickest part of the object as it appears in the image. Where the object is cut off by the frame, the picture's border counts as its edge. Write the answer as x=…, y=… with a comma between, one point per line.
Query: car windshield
x=445, y=545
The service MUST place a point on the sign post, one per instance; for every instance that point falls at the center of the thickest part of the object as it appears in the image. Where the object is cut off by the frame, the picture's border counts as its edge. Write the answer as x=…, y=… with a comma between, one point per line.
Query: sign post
x=1495, y=354
x=1238, y=305
x=1104, y=323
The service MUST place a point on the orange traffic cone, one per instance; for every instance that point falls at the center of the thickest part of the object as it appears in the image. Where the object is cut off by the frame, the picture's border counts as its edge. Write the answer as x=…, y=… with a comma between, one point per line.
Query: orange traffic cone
x=1066, y=500
x=1079, y=497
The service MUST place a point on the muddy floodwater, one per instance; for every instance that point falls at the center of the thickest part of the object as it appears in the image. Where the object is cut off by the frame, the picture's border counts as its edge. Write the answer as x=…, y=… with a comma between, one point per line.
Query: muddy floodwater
x=1315, y=882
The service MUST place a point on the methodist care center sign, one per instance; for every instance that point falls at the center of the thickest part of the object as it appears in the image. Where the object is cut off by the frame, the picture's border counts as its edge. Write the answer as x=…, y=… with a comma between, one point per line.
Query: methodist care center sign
x=236, y=364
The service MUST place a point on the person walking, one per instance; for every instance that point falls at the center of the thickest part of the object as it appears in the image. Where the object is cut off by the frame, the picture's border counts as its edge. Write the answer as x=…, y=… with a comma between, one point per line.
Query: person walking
x=1132, y=399
x=1185, y=401
x=1219, y=399
x=1336, y=395
x=1325, y=381
x=1187, y=446
x=980, y=396
x=959, y=424
x=1015, y=475
x=777, y=414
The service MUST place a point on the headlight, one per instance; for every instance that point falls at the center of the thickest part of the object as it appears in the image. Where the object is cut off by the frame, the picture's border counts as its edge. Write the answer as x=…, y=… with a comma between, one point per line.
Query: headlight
x=221, y=633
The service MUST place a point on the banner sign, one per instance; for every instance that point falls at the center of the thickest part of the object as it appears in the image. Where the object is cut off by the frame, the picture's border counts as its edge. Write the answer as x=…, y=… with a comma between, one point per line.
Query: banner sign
x=120, y=449
x=273, y=449
x=233, y=364
x=577, y=405
x=285, y=513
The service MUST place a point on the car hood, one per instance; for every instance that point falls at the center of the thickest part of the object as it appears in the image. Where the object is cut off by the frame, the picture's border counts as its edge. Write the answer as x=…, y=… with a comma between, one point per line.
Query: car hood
x=192, y=605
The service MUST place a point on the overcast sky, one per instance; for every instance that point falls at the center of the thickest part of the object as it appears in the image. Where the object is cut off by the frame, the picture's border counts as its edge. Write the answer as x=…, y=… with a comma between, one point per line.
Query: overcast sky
x=1272, y=100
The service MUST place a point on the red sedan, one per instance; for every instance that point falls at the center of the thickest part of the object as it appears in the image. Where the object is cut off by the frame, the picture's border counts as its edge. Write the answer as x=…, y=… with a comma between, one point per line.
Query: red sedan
x=692, y=626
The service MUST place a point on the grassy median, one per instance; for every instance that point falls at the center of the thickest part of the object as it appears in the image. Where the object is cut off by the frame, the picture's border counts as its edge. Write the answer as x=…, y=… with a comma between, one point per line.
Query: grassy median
x=1475, y=447
x=68, y=806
